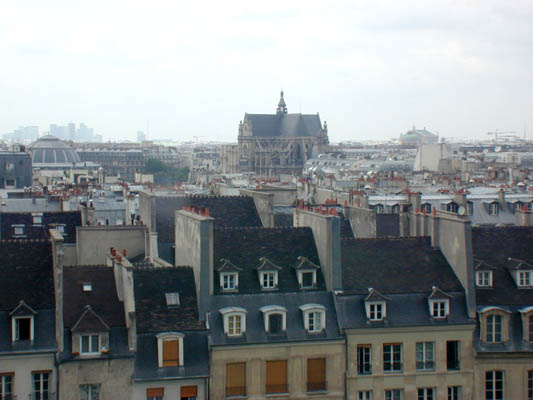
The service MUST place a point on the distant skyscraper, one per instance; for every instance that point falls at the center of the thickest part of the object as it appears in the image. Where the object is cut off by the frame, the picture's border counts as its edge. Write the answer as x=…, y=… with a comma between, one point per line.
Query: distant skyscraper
x=141, y=137
x=71, y=131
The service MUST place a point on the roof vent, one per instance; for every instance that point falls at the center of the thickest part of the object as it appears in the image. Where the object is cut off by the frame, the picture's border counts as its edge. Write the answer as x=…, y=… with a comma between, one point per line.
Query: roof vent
x=87, y=287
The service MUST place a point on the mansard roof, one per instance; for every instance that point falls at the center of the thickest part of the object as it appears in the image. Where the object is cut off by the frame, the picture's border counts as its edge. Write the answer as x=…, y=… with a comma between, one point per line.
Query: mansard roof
x=153, y=313
x=284, y=125
x=228, y=211
x=26, y=273
x=281, y=246
x=400, y=265
x=495, y=245
x=102, y=298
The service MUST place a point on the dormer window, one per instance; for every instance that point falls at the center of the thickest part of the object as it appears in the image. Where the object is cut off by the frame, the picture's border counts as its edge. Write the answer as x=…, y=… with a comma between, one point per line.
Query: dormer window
x=494, y=208
x=524, y=278
x=89, y=344
x=268, y=274
x=22, y=322
x=376, y=311
x=379, y=208
x=469, y=208
x=439, y=303
x=306, y=273
x=229, y=281
x=229, y=276
x=275, y=319
x=375, y=306
x=494, y=323
x=314, y=317
x=484, y=278
x=37, y=218
x=234, y=320
x=170, y=349
x=426, y=207
x=87, y=287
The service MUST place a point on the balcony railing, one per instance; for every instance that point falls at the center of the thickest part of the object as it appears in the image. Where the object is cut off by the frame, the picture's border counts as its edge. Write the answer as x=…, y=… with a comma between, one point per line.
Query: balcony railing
x=317, y=386
x=42, y=396
x=236, y=391
x=279, y=388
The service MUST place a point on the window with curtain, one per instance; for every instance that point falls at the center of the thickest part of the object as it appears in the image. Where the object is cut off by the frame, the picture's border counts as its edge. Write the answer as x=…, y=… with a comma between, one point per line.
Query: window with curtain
x=276, y=376
x=316, y=374
x=236, y=379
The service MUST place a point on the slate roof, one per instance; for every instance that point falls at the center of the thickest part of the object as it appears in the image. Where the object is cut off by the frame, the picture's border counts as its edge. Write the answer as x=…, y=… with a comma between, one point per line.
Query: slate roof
x=394, y=266
x=102, y=299
x=195, y=358
x=228, y=211
x=255, y=328
x=153, y=314
x=405, y=309
x=282, y=246
x=26, y=271
x=71, y=219
x=494, y=246
x=284, y=125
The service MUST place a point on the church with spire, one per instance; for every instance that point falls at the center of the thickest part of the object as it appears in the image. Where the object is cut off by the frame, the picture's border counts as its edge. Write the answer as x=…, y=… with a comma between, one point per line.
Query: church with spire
x=274, y=144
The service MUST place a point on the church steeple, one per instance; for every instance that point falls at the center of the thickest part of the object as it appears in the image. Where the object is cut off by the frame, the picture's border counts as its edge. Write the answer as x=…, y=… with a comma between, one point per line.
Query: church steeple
x=282, y=107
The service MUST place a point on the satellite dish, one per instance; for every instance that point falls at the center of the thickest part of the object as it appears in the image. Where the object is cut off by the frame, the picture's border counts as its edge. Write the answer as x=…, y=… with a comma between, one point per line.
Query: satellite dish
x=461, y=210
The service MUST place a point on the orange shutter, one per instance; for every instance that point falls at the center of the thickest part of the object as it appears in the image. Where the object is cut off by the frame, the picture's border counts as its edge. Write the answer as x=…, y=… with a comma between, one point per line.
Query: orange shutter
x=171, y=353
x=276, y=376
x=189, y=391
x=155, y=392
x=236, y=379
x=316, y=374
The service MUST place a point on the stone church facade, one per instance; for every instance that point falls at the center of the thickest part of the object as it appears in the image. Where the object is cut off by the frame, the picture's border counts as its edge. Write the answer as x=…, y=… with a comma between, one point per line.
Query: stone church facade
x=273, y=144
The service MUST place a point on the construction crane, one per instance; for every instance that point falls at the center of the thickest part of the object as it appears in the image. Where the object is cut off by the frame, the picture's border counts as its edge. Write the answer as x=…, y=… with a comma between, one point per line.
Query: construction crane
x=506, y=134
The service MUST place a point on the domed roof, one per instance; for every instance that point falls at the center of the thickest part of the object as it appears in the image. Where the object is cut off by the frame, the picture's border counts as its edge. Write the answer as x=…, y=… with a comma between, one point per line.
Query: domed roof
x=50, y=150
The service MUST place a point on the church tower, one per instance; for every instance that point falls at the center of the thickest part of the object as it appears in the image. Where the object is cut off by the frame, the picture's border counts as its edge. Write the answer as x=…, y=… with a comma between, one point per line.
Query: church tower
x=282, y=107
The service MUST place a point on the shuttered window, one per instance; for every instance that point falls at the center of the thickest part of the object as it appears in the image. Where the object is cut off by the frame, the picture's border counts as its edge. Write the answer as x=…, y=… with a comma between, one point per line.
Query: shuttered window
x=188, y=392
x=236, y=379
x=171, y=353
x=155, y=393
x=276, y=376
x=316, y=374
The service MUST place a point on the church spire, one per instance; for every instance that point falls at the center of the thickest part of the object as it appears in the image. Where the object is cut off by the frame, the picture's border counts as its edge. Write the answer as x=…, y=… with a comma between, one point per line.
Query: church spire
x=282, y=107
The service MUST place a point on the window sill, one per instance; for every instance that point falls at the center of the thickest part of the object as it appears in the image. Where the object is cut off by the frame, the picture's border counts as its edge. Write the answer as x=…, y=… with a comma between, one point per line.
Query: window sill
x=270, y=395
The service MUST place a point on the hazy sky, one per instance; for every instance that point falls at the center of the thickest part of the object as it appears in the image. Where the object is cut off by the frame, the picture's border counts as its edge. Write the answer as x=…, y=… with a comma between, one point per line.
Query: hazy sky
x=372, y=69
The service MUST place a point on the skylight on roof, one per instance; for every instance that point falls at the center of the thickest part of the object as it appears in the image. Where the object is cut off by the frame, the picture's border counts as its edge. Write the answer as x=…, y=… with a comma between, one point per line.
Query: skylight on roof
x=173, y=299
x=87, y=287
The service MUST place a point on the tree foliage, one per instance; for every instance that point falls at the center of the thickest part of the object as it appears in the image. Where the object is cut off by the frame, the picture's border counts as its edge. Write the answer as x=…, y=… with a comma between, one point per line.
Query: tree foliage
x=165, y=174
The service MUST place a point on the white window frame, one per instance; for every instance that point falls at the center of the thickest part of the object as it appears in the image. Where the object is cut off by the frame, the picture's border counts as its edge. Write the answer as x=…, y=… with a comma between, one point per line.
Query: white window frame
x=494, y=208
x=310, y=313
x=169, y=336
x=523, y=278
x=301, y=273
x=365, y=395
x=37, y=218
x=41, y=393
x=271, y=310
x=454, y=392
x=424, y=348
x=4, y=377
x=372, y=310
x=442, y=312
x=15, y=327
x=379, y=208
x=89, y=387
x=91, y=351
x=392, y=370
x=484, y=278
x=231, y=277
x=270, y=283
x=229, y=312
x=18, y=229
x=491, y=328
x=494, y=379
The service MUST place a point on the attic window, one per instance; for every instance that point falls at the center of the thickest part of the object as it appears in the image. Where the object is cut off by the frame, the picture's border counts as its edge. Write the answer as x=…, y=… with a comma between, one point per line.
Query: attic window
x=484, y=278
x=173, y=299
x=87, y=287
x=524, y=278
x=376, y=311
x=493, y=208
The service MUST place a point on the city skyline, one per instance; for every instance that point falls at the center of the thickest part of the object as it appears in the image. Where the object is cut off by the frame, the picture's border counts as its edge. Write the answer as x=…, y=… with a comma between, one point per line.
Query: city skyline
x=372, y=71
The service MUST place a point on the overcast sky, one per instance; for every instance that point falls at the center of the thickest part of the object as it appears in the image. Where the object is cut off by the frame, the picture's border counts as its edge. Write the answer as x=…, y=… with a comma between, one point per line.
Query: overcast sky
x=372, y=69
